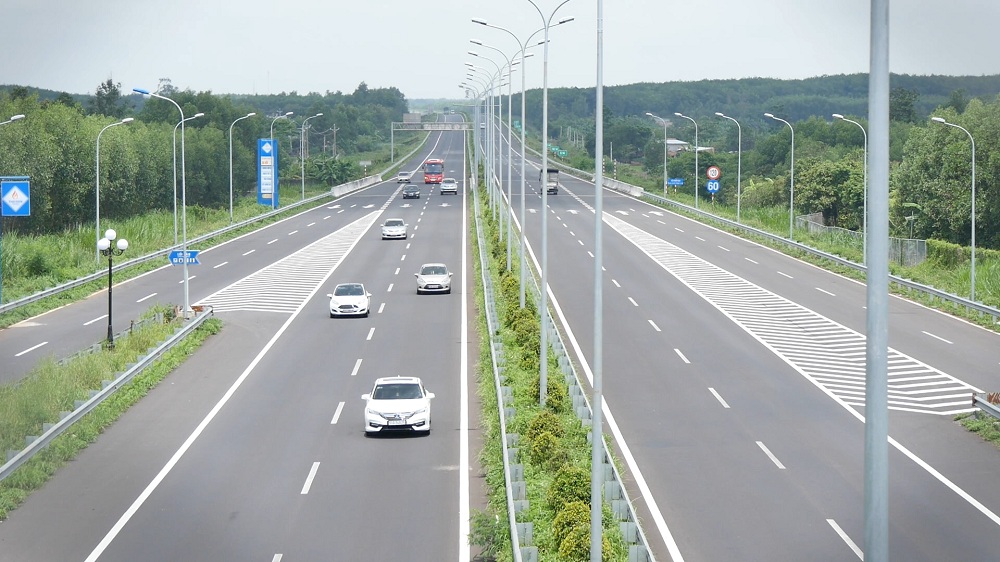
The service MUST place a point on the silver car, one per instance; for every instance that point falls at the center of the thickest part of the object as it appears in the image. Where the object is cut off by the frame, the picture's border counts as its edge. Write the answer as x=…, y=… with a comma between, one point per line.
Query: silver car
x=433, y=278
x=449, y=185
x=393, y=228
x=404, y=177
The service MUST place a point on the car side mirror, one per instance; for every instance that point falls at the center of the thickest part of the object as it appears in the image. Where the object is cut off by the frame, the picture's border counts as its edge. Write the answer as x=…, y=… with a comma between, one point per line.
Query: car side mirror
x=430, y=395
x=368, y=295
x=329, y=295
x=450, y=274
x=366, y=396
x=416, y=275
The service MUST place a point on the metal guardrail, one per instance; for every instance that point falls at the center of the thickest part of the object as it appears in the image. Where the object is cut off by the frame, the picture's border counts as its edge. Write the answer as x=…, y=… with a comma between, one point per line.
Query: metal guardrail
x=82, y=409
x=988, y=402
x=640, y=193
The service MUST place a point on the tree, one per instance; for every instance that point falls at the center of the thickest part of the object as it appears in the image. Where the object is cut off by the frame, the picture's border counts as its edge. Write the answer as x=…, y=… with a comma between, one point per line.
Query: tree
x=902, y=105
x=108, y=100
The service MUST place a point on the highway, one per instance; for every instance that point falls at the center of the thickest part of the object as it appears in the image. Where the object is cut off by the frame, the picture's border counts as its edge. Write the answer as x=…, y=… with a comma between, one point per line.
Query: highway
x=254, y=448
x=734, y=376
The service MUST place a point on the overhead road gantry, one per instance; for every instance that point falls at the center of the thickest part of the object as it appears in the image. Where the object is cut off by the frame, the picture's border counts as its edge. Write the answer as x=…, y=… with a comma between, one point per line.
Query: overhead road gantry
x=428, y=126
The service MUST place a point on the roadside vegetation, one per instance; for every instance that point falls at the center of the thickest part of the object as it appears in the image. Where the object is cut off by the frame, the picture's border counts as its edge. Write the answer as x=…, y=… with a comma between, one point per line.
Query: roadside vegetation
x=52, y=387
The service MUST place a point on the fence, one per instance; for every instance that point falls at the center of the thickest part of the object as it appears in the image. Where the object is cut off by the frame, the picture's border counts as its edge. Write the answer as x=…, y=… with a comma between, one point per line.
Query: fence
x=904, y=251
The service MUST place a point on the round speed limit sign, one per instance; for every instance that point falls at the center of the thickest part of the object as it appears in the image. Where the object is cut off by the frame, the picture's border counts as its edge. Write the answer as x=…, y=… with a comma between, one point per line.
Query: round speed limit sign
x=713, y=172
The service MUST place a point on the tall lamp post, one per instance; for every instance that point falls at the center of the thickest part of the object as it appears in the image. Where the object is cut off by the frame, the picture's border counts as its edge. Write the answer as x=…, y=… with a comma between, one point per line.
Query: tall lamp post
x=97, y=179
x=179, y=123
x=106, y=249
x=187, y=300
x=739, y=162
x=13, y=118
x=864, y=218
x=791, y=189
x=302, y=155
x=247, y=116
x=274, y=187
x=662, y=122
x=695, y=156
x=972, y=284
x=544, y=310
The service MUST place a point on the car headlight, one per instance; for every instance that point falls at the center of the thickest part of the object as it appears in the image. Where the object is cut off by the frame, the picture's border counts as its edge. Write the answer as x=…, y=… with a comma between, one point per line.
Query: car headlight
x=420, y=411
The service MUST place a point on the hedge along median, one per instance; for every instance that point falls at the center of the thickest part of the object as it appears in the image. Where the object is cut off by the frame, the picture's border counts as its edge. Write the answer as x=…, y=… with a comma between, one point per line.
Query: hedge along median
x=52, y=388
x=553, y=442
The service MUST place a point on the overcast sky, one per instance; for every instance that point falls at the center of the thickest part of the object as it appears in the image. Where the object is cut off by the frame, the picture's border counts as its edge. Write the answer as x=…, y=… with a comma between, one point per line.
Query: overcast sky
x=420, y=46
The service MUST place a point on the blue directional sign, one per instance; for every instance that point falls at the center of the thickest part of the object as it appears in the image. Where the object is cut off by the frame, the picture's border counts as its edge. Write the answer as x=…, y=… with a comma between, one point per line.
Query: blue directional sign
x=675, y=181
x=713, y=186
x=177, y=257
x=16, y=197
x=267, y=172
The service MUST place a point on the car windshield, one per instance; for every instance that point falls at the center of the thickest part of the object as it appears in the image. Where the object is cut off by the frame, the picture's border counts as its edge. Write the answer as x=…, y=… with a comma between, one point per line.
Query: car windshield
x=434, y=270
x=410, y=188
x=397, y=391
x=450, y=180
x=394, y=222
x=349, y=291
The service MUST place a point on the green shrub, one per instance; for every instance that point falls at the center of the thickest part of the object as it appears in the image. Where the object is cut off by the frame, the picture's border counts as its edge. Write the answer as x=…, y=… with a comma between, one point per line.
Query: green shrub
x=544, y=421
x=570, y=484
x=547, y=451
x=556, y=398
x=576, y=546
x=486, y=531
x=944, y=254
x=573, y=514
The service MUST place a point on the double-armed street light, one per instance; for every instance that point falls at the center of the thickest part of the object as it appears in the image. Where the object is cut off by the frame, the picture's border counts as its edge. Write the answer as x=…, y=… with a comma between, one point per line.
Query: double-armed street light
x=791, y=173
x=739, y=162
x=274, y=179
x=302, y=155
x=247, y=116
x=104, y=246
x=864, y=212
x=179, y=123
x=695, y=155
x=972, y=284
x=97, y=178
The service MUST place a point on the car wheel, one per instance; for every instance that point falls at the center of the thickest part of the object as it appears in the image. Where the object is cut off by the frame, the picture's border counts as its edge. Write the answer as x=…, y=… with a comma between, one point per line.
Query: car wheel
x=366, y=313
x=331, y=315
x=448, y=292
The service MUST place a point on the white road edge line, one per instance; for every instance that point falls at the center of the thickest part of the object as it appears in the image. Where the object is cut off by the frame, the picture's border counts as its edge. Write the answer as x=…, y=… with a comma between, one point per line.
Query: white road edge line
x=717, y=397
x=770, y=455
x=357, y=366
x=336, y=415
x=310, y=478
x=464, y=509
x=846, y=538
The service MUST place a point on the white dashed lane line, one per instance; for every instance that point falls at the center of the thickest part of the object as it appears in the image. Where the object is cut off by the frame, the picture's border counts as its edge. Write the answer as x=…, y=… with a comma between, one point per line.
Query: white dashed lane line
x=785, y=274
x=293, y=232
x=147, y=297
x=710, y=389
x=770, y=455
x=699, y=238
x=655, y=327
x=30, y=349
x=190, y=277
x=272, y=241
x=219, y=265
x=248, y=253
x=310, y=224
x=847, y=539
x=397, y=271
x=751, y=261
x=616, y=283
x=370, y=334
x=89, y=322
x=681, y=355
x=381, y=307
x=389, y=290
x=357, y=367
x=631, y=300
x=937, y=337
x=825, y=291
x=336, y=415
x=310, y=478
x=723, y=248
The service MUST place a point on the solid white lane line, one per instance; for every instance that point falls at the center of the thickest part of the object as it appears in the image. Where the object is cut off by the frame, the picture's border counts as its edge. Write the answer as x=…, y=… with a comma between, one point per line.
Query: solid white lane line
x=785, y=274
x=631, y=300
x=357, y=366
x=389, y=290
x=248, y=253
x=723, y=248
x=30, y=349
x=655, y=327
x=310, y=478
x=219, y=265
x=773, y=458
x=149, y=296
x=101, y=317
x=272, y=241
x=714, y=393
x=336, y=415
x=370, y=334
x=397, y=271
x=825, y=291
x=681, y=355
x=616, y=283
x=937, y=337
x=751, y=261
x=699, y=238
x=381, y=307
x=846, y=539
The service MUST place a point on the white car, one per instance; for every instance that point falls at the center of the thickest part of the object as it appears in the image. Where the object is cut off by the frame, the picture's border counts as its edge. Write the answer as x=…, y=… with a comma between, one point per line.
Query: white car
x=349, y=299
x=449, y=185
x=404, y=176
x=398, y=404
x=433, y=278
x=393, y=228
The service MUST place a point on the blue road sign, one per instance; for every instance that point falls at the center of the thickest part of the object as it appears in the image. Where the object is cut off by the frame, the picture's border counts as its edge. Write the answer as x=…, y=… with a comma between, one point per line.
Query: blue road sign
x=675, y=181
x=712, y=186
x=16, y=197
x=177, y=257
x=267, y=172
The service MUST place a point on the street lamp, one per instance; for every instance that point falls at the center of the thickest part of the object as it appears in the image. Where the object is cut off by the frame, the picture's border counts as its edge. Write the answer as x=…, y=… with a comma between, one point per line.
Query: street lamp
x=493, y=146
x=97, y=178
x=105, y=248
x=791, y=189
x=247, y=116
x=195, y=116
x=739, y=162
x=302, y=156
x=274, y=179
x=664, y=123
x=17, y=117
x=695, y=156
x=972, y=285
x=544, y=349
x=864, y=218
x=187, y=301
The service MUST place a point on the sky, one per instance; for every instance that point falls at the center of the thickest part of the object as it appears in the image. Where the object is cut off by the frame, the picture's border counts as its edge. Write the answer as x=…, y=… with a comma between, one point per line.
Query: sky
x=421, y=46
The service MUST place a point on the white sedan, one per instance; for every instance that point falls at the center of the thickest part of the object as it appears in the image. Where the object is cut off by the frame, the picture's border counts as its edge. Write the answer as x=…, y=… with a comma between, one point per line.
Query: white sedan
x=433, y=278
x=403, y=176
x=398, y=404
x=349, y=299
x=393, y=228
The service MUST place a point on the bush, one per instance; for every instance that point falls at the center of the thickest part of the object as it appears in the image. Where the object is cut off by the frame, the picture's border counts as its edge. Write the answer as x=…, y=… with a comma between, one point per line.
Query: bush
x=546, y=451
x=570, y=484
x=555, y=391
x=576, y=546
x=544, y=422
x=944, y=254
x=572, y=515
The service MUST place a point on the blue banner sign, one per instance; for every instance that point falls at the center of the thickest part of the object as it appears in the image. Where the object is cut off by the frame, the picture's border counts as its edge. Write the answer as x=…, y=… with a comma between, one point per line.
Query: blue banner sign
x=267, y=172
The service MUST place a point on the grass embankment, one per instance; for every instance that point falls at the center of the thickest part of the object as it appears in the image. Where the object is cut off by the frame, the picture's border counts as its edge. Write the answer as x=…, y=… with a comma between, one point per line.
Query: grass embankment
x=553, y=442
x=52, y=388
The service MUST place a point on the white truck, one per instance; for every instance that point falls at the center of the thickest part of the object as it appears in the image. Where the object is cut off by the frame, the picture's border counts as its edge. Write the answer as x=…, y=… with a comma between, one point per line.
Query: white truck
x=551, y=180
